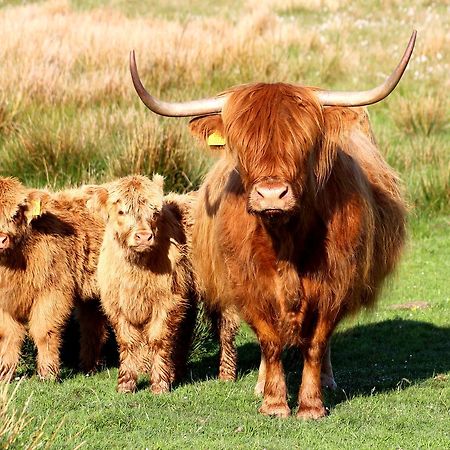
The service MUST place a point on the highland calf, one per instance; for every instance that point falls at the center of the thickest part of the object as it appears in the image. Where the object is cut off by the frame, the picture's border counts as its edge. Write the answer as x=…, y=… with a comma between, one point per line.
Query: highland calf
x=298, y=223
x=49, y=245
x=145, y=277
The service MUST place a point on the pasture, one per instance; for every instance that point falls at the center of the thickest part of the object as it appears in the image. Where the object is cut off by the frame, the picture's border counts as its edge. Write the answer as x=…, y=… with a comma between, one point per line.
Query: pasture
x=69, y=115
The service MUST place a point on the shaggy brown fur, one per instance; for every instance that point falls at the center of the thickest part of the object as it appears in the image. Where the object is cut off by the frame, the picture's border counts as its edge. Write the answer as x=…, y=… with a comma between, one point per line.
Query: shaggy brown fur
x=145, y=277
x=296, y=262
x=48, y=254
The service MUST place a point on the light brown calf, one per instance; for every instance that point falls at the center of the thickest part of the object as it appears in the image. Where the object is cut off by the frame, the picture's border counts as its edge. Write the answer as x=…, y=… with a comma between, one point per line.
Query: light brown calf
x=49, y=245
x=145, y=277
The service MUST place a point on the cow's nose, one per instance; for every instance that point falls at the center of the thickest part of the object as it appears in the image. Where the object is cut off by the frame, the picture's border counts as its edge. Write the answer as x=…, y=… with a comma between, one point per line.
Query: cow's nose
x=143, y=237
x=273, y=192
x=4, y=240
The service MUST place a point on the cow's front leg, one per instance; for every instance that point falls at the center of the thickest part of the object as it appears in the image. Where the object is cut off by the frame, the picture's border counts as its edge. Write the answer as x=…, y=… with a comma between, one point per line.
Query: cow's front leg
x=274, y=400
x=310, y=394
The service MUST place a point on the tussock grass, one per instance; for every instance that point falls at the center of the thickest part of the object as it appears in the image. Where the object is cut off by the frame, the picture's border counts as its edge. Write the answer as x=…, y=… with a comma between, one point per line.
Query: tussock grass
x=69, y=114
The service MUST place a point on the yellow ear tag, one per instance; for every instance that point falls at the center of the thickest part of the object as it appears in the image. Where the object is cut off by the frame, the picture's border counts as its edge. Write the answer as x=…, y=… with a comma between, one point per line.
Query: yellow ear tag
x=215, y=139
x=35, y=207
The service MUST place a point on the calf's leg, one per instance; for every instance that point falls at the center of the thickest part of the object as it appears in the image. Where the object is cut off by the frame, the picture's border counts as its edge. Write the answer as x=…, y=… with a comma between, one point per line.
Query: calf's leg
x=129, y=339
x=12, y=334
x=93, y=333
x=47, y=321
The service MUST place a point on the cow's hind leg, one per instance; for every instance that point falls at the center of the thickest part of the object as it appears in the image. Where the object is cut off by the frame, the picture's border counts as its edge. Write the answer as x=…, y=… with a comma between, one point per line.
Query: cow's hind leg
x=226, y=324
x=259, y=387
x=93, y=333
x=310, y=394
x=326, y=375
x=11, y=338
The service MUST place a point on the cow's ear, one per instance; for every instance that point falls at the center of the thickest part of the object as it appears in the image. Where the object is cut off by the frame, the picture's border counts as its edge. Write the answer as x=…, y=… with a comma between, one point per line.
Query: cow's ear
x=35, y=204
x=209, y=129
x=97, y=199
x=159, y=181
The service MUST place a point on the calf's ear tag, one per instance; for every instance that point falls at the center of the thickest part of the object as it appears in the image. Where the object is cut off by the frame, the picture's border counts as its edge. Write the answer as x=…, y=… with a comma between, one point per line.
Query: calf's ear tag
x=215, y=139
x=35, y=209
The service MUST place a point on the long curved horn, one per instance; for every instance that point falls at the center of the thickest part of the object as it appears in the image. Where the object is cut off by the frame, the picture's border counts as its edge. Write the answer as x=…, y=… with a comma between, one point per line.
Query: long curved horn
x=327, y=98
x=185, y=109
x=361, y=98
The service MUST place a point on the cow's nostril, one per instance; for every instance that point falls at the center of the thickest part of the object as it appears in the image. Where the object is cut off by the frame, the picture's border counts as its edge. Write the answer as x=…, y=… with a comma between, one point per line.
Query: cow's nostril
x=285, y=191
x=260, y=193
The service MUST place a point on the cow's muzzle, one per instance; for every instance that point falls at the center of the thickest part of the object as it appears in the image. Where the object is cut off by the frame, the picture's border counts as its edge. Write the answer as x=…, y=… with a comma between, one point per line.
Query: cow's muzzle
x=271, y=197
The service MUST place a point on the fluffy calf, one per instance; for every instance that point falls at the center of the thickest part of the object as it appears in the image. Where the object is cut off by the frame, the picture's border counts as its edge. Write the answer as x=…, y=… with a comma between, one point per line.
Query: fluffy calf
x=49, y=245
x=145, y=278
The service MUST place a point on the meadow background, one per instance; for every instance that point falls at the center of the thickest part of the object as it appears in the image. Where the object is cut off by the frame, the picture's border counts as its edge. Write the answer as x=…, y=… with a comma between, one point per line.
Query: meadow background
x=69, y=115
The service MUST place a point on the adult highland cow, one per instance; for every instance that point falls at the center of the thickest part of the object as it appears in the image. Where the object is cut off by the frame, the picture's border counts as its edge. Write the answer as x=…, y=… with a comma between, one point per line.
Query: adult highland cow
x=299, y=221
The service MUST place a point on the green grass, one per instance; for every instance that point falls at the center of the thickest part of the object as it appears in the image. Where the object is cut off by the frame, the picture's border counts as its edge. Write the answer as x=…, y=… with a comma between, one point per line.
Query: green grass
x=69, y=115
x=392, y=366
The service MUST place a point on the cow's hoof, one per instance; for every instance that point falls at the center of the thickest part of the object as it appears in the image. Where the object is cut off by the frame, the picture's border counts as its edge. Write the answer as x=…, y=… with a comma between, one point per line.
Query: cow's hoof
x=275, y=410
x=126, y=387
x=311, y=412
x=259, y=388
x=227, y=377
x=159, y=388
x=327, y=382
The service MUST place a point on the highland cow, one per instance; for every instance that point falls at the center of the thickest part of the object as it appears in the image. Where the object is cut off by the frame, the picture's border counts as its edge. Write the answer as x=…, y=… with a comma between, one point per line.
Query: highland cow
x=298, y=223
x=145, y=277
x=49, y=245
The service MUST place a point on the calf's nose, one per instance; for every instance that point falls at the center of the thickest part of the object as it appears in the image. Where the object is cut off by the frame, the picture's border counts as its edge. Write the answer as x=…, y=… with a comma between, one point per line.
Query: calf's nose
x=143, y=237
x=4, y=240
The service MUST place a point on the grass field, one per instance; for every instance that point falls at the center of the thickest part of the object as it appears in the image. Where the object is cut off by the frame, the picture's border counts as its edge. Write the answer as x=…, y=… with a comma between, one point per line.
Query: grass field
x=69, y=115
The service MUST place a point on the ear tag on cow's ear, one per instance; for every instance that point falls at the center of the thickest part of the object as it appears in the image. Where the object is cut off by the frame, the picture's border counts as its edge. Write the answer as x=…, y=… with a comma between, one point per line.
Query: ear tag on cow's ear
x=35, y=209
x=215, y=139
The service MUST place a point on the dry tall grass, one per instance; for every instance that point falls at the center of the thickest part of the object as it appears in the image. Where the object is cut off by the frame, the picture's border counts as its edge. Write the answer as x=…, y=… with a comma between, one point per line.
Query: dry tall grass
x=68, y=112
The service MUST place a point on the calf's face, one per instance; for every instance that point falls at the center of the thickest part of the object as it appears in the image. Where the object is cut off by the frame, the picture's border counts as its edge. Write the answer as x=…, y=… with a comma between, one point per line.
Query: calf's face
x=132, y=206
x=18, y=207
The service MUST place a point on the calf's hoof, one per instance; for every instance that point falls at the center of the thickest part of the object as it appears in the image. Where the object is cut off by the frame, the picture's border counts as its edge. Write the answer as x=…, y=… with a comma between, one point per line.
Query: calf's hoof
x=327, y=382
x=311, y=412
x=275, y=409
x=6, y=374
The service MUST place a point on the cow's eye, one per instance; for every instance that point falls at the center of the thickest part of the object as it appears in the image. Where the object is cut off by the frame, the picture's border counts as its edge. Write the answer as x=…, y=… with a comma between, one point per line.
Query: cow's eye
x=121, y=212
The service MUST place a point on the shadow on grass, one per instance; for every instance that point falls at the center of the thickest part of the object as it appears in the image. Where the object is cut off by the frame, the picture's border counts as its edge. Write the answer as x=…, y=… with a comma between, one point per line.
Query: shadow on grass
x=366, y=359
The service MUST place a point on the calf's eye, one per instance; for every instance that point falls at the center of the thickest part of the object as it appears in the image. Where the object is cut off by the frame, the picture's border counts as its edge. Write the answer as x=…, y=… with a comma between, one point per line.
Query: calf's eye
x=121, y=213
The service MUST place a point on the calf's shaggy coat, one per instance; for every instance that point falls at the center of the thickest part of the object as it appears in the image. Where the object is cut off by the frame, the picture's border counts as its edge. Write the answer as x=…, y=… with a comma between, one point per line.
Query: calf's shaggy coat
x=145, y=277
x=49, y=246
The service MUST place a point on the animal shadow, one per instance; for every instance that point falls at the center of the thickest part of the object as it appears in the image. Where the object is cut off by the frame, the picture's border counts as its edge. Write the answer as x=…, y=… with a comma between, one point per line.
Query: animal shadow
x=366, y=359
